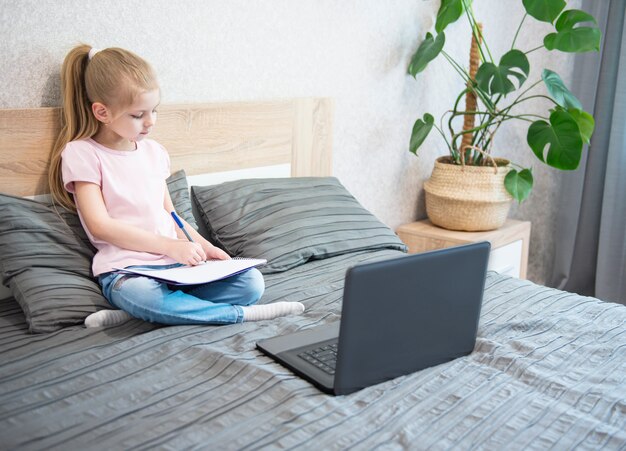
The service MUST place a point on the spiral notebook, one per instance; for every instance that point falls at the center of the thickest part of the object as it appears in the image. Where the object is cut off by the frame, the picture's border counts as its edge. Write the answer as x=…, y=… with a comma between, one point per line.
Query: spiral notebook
x=209, y=271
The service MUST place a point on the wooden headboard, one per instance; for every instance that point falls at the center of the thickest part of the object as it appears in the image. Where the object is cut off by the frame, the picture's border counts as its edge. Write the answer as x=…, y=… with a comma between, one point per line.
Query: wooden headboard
x=201, y=139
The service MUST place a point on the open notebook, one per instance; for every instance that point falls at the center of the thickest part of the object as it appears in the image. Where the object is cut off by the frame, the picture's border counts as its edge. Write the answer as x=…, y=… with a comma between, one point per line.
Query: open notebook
x=209, y=271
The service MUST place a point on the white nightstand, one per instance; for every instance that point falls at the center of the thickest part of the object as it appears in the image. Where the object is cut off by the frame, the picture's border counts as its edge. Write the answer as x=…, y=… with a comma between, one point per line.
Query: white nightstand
x=509, y=243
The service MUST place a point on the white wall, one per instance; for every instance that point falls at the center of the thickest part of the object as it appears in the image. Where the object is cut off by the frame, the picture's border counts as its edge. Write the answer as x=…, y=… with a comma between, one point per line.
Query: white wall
x=354, y=51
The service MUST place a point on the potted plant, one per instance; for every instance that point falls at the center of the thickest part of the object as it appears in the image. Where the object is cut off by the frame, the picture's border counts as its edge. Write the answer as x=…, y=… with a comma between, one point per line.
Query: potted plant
x=496, y=92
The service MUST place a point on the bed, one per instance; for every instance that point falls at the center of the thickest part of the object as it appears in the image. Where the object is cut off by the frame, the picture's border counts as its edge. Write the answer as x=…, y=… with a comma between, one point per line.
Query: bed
x=548, y=370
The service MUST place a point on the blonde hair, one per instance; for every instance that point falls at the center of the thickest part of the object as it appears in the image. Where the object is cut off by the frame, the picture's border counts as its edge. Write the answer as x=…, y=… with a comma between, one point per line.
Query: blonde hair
x=113, y=77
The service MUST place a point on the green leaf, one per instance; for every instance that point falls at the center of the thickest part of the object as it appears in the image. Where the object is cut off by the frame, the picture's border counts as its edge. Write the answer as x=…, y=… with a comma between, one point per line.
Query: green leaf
x=544, y=10
x=495, y=79
x=421, y=129
x=572, y=38
x=519, y=184
x=585, y=122
x=570, y=18
x=561, y=137
x=426, y=52
x=449, y=12
x=558, y=91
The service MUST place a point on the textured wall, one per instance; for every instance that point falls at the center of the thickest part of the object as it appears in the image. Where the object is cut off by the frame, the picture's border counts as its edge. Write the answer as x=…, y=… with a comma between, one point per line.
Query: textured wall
x=354, y=51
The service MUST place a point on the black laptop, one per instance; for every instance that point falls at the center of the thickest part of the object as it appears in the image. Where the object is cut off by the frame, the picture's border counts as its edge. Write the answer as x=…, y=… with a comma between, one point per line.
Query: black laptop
x=398, y=316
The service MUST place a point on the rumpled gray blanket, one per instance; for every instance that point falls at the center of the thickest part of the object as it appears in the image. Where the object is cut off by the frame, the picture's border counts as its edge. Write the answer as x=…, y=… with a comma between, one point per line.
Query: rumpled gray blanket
x=548, y=371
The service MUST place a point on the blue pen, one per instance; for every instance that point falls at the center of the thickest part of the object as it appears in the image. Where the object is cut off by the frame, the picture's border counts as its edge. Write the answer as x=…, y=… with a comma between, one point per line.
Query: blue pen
x=180, y=224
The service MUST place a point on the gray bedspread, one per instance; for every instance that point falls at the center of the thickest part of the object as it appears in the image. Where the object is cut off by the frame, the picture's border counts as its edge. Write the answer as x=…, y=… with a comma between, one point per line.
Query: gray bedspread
x=548, y=371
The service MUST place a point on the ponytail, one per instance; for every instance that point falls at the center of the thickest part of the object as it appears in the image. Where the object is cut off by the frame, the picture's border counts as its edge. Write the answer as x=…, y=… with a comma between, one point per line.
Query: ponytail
x=77, y=120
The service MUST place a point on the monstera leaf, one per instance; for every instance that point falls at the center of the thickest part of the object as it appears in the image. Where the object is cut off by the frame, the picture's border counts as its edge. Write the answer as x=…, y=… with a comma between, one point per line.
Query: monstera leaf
x=585, y=122
x=572, y=38
x=519, y=184
x=496, y=79
x=544, y=10
x=558, y=143
x=426, y=52
x=558, y=91
x=421, y=129
x=449, y=12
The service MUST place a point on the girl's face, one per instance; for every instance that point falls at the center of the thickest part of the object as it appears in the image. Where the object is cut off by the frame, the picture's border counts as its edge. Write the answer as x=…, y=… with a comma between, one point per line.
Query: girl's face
x=135, y=122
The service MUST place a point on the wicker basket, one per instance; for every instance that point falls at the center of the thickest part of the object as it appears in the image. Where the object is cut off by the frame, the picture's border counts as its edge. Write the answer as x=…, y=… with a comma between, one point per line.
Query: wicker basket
x=470, y=198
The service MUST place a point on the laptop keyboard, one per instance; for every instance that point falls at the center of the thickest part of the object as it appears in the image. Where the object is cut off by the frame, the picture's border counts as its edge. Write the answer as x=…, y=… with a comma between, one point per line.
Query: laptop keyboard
x=324, y=357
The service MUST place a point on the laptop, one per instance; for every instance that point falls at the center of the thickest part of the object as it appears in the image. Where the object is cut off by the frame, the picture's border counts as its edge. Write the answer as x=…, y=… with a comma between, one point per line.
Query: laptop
x=398, y=316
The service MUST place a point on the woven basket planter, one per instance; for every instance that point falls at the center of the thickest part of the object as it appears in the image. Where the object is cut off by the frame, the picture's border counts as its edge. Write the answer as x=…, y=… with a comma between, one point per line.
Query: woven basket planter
x=469, y=198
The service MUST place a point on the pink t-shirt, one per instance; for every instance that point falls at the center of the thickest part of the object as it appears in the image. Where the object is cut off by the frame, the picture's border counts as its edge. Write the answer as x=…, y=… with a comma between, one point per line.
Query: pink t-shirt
x=133, y=187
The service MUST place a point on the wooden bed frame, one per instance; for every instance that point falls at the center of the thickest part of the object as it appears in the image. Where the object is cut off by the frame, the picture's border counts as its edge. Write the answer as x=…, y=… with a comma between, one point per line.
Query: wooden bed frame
x=200, y=139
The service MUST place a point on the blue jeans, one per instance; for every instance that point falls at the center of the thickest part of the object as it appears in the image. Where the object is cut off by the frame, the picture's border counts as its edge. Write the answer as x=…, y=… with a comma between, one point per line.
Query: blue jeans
x=211, y=303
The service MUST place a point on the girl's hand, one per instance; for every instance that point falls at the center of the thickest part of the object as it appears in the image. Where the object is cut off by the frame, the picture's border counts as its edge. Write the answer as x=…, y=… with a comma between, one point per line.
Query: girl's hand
x=213, y=252
x=186, y=252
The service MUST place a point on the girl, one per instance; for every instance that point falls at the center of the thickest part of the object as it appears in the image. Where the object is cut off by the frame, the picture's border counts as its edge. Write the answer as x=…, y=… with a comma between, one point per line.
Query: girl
x=104, y=167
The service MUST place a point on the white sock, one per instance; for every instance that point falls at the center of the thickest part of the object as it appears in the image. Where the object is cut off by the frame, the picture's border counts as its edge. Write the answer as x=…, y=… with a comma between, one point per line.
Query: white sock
x=271, y=311
x=106, y=318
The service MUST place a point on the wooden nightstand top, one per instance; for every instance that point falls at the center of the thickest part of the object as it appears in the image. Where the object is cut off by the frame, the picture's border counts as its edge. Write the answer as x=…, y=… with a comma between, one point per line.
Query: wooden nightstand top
x=511, y=230
x=423, y=236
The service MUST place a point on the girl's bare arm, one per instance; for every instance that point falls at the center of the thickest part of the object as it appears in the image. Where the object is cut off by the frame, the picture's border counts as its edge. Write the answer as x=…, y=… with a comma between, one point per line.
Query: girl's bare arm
x=89, y=200
x=211, y=251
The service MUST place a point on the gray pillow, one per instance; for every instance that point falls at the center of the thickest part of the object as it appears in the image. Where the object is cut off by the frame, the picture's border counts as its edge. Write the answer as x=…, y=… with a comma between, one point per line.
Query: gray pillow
x=46, y=266
x=46, y=259
x=289, y=221
x=179, y=192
